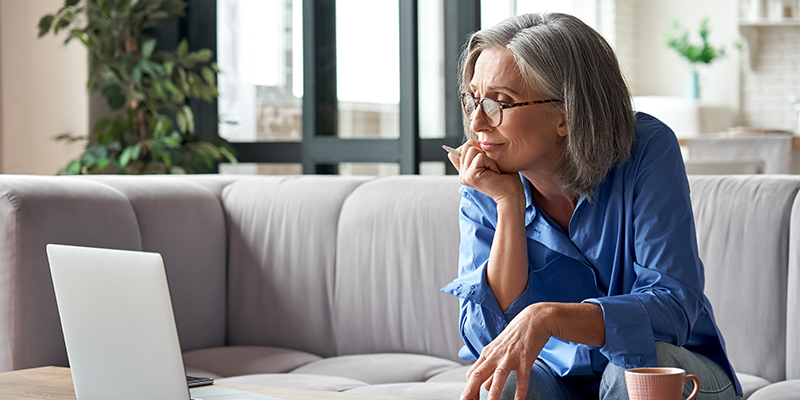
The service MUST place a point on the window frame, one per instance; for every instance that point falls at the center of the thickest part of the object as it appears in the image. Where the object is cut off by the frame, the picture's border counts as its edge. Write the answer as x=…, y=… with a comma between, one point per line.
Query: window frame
x=321, y=149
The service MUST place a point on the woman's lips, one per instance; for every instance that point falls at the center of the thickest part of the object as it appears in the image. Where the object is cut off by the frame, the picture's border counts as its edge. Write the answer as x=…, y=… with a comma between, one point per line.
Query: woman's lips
x=489, y=146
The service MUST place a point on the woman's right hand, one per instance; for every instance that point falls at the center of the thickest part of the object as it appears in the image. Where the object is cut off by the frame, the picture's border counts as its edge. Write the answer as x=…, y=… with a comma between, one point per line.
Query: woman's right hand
x=478, y=171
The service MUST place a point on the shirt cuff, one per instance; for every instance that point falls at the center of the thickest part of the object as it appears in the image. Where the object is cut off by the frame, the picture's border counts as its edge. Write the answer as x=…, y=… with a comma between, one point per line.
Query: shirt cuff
x=473, y=287
x=629, y=336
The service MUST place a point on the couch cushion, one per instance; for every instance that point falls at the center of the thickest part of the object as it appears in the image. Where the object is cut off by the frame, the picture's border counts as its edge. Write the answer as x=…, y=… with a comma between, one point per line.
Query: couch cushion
x=786, y=390
x=454, y=375
x=282, y=252
x=398, y=245
x=439, y=390
x=246, y=360
x=750, y=384
x=380, y=368
x=297, y=381
x=743, y=238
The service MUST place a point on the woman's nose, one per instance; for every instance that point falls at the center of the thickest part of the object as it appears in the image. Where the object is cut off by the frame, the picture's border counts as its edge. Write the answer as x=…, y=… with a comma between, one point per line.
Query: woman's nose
x=478, y=120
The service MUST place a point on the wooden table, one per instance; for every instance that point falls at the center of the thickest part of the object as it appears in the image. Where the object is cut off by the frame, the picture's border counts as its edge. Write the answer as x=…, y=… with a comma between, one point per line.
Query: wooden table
x=55, y=383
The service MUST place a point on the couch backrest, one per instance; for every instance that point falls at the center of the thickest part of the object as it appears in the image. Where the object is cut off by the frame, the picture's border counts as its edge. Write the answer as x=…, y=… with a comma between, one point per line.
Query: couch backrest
x=282, y=234
x=397, y=246
x=793, y=297
x=337, y=265
x=743, y=227
x=180, y=218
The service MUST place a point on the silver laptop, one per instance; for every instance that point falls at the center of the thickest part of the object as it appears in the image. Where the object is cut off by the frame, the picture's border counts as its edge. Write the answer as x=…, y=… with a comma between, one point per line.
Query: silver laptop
x=119, y=328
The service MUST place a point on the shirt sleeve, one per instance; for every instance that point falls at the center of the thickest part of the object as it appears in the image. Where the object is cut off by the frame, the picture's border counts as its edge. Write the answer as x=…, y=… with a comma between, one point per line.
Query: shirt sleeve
x=666, y=297
x=481, y=318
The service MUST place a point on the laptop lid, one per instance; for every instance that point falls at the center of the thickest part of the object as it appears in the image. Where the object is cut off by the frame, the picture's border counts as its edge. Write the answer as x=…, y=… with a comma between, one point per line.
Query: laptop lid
x=118, y=324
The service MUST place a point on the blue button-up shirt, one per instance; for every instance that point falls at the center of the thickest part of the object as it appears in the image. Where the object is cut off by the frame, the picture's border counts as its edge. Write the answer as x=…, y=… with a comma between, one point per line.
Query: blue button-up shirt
x=632, y=250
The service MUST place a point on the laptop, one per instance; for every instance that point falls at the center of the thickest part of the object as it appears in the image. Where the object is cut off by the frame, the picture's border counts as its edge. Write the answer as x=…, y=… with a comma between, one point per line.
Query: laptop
x=119, y=327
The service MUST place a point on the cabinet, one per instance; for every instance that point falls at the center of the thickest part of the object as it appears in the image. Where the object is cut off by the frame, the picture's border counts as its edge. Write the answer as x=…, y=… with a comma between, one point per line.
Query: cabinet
x=750, y=30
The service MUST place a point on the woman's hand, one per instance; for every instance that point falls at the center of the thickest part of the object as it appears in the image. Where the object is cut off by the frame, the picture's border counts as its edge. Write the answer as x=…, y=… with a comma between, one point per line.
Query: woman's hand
x=515, y=349
x=478, y=171
x=518, y=346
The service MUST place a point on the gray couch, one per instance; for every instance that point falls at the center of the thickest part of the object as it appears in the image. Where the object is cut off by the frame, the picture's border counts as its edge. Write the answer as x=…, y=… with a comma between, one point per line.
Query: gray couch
x=333, y=283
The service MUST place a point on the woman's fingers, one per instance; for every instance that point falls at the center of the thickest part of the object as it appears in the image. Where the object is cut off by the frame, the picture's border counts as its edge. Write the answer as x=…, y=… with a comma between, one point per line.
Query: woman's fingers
x=455, y=161
x=523, y=380
x=473, y=389
x=488, y=384
x=498, y=381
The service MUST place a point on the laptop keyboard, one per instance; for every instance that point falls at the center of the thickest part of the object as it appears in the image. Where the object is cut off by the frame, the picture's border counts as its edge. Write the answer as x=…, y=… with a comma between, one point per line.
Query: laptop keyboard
x=194, y=381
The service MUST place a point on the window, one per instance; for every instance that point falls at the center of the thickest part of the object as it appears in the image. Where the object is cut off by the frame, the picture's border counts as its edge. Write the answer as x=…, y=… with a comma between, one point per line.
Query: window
x=261, y=79
x=292, y=92
x=494, y=11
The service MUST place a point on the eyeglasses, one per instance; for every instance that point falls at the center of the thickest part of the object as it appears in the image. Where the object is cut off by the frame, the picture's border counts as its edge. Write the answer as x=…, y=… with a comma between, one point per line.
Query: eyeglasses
x=493, y=109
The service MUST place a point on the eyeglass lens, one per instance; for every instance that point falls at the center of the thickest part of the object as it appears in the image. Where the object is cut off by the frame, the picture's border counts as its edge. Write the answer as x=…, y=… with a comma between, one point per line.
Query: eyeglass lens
x=491, y=110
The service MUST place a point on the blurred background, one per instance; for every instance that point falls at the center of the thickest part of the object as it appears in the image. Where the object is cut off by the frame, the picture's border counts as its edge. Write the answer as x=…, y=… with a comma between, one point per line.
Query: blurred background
x=369, y=86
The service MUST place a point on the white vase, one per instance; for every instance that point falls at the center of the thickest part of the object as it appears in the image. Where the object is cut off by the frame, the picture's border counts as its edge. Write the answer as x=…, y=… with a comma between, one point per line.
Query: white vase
x=756, y=9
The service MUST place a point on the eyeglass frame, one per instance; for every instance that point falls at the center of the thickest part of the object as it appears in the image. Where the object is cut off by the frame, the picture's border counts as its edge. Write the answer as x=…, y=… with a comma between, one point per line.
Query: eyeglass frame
x=500, y=105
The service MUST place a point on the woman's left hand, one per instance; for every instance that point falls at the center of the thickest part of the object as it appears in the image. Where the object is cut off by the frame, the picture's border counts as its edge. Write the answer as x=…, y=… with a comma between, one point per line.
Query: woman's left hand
x=515, y=349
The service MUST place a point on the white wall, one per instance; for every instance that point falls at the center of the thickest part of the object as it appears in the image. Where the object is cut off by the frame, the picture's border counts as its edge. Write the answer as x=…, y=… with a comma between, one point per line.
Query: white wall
x=42, y=91
x=661, y=71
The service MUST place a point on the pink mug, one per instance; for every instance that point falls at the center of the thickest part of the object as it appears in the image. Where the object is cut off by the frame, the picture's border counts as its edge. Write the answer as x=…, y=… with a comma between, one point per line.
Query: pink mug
x=659, y=383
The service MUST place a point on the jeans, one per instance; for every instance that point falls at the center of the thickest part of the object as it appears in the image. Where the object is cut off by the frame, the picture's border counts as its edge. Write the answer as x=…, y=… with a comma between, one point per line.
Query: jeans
x=546, y=385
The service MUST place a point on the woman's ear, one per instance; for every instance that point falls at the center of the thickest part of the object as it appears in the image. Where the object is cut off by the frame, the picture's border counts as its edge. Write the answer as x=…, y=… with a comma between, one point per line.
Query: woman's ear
x=562, y=127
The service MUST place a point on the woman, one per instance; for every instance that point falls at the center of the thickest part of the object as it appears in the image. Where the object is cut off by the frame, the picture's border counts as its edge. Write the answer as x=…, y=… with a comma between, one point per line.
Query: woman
x=578, y=254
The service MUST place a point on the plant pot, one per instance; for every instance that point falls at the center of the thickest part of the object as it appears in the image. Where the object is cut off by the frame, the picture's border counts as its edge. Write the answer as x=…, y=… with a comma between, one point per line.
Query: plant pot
x=693, y=85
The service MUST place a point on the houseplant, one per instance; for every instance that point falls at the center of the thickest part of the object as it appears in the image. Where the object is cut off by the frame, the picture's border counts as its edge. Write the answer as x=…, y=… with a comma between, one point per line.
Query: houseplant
x=152, y=129
x=697, y=55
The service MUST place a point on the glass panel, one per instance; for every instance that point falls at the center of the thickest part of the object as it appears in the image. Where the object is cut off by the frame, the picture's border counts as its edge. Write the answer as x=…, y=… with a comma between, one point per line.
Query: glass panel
x=260, y=169
x=379, y=169
x=432, y=168
x=430, y=24
x=494, y=11
x=260, y=55
x=368, y=68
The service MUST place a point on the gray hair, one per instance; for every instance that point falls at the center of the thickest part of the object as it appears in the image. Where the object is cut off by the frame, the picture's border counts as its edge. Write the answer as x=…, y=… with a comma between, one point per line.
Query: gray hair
x=563, y=58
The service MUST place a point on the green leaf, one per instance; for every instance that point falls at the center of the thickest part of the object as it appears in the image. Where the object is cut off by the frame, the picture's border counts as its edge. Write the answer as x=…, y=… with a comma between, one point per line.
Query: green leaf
x=177, y=170
x=103, y=163
x=209, y=76
x=88, y=159
x=202, y=55
x=172, y=88
x=126, y=156
x=231, y=158
x=70, y=3
x=44, y=27
x=183, y=47
x=148, y=47
x=172, y=142
x=161, y=126
x=189, y=118
x=159, y=90
x=181, y=120
x=63, y=22
x=215, y=67
x=137, y=151
x=73, y=168
x=168, y=67
x=136, y=75
x=114, y=96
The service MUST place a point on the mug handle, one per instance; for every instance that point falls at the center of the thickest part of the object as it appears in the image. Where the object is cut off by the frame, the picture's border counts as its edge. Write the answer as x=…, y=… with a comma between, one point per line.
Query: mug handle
x=696, y=380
